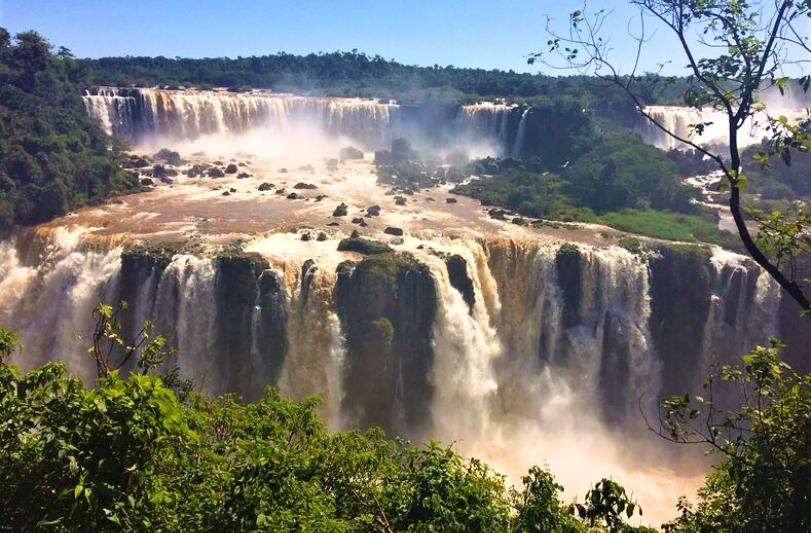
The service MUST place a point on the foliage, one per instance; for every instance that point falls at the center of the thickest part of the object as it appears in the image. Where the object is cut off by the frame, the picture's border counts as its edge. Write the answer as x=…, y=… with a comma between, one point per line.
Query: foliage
x=621, y=172
x=617, y=172
x=538, y=507
x=355, y=74
x=743, y=51
x=763, y=482
x=620, y=182
x=111, y=352
x=53, y=158
x=605, y=504
x=127, y=454
x=671, y=226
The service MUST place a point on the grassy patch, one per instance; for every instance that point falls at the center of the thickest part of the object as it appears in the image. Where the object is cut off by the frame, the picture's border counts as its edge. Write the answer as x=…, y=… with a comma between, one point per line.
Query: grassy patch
x=671, y=226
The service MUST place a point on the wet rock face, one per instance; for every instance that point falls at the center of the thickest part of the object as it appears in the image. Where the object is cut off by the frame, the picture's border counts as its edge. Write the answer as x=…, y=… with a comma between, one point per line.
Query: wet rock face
x=457, y=273
x=235, y=292
x=615, y=369
x=272, y=331
x=680, y=294
x=568, y=262
x=387, y=305
x=795, y=329
x=141, y=271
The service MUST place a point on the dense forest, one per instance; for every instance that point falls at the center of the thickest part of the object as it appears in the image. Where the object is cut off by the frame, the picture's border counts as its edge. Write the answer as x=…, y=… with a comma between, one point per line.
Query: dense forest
x=53, y=158
x=357, y=74
x=579, y=173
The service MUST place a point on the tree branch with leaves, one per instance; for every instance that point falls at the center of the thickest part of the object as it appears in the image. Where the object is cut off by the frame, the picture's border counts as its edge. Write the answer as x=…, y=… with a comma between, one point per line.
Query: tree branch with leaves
x=748, y=48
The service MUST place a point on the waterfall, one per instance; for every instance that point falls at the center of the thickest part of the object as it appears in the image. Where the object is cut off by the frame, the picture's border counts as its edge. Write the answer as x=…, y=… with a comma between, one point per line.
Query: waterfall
x=485, y=122
x=589, y=316
x=49, y=300
x=519, y=351
x=138, y=114
x=143, y=114
x=520, y=137
x=680, y=121
x=313, y=364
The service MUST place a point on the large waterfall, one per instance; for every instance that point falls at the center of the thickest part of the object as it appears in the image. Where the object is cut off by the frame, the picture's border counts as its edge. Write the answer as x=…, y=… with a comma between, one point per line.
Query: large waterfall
x=495, y=343
x=590, y=317
x=142, y=114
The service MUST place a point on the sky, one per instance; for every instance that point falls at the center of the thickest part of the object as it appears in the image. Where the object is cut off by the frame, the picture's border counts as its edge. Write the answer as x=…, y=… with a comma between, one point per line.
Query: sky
x=472, y=33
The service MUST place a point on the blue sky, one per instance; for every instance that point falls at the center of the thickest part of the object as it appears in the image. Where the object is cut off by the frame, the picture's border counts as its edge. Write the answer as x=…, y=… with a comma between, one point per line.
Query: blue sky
x=471, y=33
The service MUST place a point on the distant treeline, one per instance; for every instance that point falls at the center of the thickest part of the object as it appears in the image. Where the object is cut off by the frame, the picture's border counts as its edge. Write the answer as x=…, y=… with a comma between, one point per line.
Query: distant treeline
x=357, y=74
x=53, y=157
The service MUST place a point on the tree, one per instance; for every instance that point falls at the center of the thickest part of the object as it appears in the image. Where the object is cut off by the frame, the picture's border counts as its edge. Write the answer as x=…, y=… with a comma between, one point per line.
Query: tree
x=111, y=352
x=537, y=505
x=763, y=482
x=747, y=50
x=53, y=157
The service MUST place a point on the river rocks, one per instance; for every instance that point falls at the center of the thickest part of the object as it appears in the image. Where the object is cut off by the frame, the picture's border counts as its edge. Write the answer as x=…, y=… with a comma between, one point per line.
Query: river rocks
x=357, y=220
x=146, y=182
x=138, y=162
x=348, y=153
x=215, y=172
x=391, y=230
x=294, y=196
x=363, y=246
x=197, y=170
x=320, y=197
x=170, y=157
x=305, y=186
x=264, y=187
x=519, y=221
x=231, y=169
x=243, y=175
x=373, y=211
x=497, y=214
x=383, y=157
x=306, y=236
x=226, y=193
x=341, y=211
x=321, y=236
x=162, y=173
x=451, y=200
x=458, y=276
x=400, y=200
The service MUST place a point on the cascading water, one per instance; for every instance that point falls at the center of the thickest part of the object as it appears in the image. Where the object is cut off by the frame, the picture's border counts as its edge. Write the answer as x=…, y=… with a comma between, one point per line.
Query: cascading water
x=521, y=135
x=523, y=336
x=141, y=115
x=682, y=121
